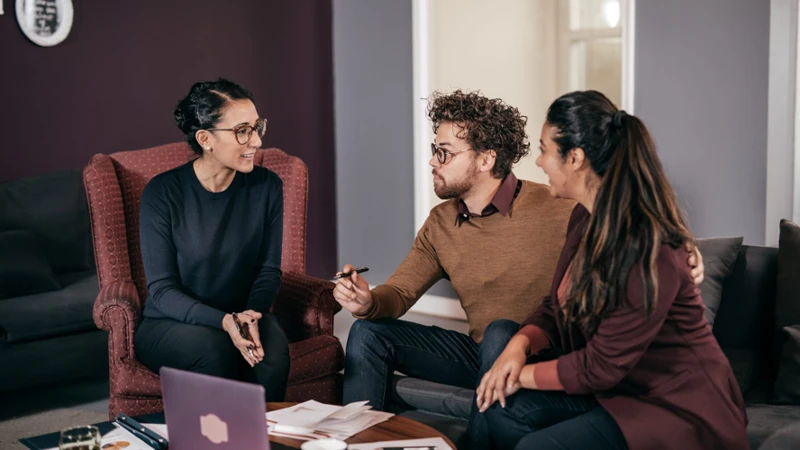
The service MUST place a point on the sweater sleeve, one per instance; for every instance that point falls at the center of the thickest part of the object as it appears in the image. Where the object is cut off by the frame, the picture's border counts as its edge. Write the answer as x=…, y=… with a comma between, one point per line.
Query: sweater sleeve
x=268, y=278
x=416, y=274
x=161, y=265
x=544, y=318
x=622, y=338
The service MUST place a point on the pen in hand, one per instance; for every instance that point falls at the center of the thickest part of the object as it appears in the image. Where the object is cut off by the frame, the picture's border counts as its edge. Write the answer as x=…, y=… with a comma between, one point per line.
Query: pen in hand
x=245, y=333
x=347, y=274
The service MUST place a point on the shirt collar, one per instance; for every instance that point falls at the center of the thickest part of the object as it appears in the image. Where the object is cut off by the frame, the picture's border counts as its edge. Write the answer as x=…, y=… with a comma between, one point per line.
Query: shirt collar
x=501, y=202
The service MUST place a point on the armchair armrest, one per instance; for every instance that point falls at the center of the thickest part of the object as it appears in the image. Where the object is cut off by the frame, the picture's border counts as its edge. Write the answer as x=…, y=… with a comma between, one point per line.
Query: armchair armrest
x=305, y=306
x=117, y=311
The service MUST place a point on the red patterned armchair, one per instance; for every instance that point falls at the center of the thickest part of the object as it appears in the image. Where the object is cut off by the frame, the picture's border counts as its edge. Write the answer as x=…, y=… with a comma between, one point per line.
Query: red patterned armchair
x=304, y=307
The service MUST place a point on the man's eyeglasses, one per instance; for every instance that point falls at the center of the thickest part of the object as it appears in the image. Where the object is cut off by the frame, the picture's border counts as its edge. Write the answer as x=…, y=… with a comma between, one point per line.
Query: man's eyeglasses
x=243, y=133
x=445, y=156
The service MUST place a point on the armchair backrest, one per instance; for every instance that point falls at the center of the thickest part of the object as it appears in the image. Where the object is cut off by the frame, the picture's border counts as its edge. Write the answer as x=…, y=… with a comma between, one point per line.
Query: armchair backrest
x=114, y=185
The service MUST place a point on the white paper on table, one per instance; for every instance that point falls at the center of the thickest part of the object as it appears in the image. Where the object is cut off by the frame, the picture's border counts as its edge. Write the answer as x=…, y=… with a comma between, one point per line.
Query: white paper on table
x=121, y=434
x=159, y=428
x=439, y=443
x=303, y=416
x=349, y=411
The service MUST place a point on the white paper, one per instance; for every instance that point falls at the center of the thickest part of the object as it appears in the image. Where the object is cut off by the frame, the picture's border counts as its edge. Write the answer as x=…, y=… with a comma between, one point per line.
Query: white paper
x=159, y=428
x=314, y=420
x=349, y=411
x=303, y=416
x=439, y=443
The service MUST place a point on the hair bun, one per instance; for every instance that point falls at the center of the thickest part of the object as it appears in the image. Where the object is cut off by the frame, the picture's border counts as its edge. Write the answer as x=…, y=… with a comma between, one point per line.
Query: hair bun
x=617, y=118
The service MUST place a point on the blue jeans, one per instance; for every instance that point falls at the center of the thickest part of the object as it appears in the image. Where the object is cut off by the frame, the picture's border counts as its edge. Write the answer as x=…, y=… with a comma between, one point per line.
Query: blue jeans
x=375, y=349
x=546, y=420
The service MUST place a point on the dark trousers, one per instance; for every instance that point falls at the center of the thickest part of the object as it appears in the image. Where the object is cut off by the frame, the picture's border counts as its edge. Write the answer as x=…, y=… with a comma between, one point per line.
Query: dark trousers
x=546, y=420
x=375, y=349
x=201, y=349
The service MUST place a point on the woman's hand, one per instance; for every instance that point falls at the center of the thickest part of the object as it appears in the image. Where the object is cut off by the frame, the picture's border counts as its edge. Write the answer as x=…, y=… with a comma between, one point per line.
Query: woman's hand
x=239, y=342
x=252, y=322
x=502, y=380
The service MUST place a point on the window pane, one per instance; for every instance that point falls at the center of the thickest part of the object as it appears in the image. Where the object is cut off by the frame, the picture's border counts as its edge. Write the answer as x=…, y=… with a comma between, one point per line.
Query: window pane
x=597, y=64
x=593, y=14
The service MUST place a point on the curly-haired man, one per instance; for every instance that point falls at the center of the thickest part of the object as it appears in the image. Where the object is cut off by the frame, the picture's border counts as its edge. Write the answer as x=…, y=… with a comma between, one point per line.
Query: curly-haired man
x=496, y=238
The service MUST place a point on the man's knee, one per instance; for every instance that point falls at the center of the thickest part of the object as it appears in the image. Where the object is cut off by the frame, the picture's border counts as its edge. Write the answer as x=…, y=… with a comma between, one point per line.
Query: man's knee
x=364, y=339
x=495, y=338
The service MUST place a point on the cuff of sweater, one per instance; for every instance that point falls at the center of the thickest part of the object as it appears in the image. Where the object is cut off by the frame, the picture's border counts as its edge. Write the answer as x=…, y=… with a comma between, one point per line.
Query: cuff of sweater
x=370, y=312
x=568, y=373
x=201, y=314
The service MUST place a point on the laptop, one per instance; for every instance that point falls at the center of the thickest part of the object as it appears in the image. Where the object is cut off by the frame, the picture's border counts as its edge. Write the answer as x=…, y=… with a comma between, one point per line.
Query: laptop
x=210, y=413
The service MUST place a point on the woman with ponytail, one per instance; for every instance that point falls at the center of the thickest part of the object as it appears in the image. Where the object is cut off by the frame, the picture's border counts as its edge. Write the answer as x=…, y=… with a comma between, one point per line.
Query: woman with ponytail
x=639, y=366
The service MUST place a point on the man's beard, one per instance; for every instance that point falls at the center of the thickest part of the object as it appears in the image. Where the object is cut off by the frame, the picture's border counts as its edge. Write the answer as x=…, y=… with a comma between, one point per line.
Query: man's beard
x=456, y=188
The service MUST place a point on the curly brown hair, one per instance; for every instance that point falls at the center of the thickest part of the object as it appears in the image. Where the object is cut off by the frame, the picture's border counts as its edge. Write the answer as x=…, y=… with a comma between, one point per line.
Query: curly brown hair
x=489, y=123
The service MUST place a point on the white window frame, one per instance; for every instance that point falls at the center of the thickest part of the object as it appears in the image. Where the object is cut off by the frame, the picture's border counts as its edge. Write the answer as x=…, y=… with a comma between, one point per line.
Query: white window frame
x=796, y=188
x=625, y=30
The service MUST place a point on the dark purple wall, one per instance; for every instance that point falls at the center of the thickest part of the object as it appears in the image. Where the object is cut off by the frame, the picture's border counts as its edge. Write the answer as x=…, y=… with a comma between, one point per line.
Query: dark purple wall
x=113, y=83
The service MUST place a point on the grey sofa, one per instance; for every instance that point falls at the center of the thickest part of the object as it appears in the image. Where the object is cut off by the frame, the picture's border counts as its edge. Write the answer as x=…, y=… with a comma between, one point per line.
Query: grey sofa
x=744, y=327
x=48, y=284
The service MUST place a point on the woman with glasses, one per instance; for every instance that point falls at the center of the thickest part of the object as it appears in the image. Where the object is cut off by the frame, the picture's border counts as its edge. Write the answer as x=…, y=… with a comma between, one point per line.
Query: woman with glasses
x=210, y=234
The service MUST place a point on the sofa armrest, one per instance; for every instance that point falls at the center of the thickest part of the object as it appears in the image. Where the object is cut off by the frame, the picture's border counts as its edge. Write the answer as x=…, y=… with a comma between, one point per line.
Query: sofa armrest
x=117, y=311
x=305, y=306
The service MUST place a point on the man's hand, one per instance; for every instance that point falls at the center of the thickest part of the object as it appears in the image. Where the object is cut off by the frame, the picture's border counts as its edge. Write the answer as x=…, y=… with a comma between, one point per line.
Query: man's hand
x=696, y=263
x=353, y=292
x=502, y=380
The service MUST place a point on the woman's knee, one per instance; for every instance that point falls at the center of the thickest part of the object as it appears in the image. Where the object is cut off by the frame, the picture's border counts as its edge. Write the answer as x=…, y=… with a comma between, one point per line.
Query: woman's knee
x=274, y=343
x=215, y=354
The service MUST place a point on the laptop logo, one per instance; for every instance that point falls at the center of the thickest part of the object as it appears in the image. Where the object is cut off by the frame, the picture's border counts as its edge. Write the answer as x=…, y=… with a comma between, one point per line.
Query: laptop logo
x=213, y=428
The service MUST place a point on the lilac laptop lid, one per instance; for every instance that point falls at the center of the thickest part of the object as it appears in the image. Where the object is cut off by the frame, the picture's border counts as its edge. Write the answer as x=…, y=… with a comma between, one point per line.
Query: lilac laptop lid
x=211, y=413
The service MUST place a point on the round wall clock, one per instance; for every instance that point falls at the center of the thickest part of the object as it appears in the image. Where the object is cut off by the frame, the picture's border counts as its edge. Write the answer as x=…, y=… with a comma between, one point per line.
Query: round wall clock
x=45, y=22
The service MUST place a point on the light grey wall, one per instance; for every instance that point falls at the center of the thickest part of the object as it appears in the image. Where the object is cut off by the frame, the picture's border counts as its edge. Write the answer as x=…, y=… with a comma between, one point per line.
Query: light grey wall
x=780, y=143
x=374, y=133
x=701, y=77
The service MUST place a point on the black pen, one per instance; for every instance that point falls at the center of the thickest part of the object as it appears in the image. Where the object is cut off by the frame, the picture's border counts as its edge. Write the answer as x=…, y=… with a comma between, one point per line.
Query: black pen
x=147, y=435
x=347, y=274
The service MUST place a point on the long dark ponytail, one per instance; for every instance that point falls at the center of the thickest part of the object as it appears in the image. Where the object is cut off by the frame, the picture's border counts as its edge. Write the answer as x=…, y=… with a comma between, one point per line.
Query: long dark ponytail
x=635, y=209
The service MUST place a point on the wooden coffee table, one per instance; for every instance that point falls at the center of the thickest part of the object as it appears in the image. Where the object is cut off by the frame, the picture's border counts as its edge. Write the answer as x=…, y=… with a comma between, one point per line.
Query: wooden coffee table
x=396, y=428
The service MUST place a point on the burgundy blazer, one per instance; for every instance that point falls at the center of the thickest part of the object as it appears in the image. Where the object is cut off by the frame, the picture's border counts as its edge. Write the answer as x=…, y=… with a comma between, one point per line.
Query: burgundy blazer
x=663, y=378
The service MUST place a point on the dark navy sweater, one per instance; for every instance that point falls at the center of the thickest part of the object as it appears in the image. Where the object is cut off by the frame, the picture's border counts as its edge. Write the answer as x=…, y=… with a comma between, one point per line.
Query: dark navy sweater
x=209, y=254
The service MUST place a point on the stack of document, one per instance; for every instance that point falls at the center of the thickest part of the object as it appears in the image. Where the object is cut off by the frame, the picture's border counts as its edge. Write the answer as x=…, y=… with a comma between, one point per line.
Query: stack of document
x=315, y=420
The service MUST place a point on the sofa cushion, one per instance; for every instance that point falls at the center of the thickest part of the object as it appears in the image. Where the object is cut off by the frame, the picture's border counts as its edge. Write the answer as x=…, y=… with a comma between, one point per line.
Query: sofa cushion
x=24, y=268
x=719, y=254
x=773, y=427
x=743, y=325
x=787, y=303
x=450, y=401
x=54, y=313
x=746, y=365
x=787, y=383
x=54, y=208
